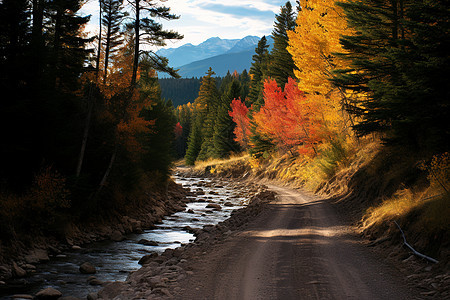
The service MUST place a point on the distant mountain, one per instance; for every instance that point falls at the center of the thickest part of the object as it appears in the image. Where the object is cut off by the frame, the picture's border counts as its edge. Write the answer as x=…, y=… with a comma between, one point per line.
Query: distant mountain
x=220, y=54
x=189, y=53
x=220, y=64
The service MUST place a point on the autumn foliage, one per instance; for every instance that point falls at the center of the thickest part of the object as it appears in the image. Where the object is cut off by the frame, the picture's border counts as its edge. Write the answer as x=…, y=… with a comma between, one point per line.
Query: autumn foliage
x=239, y=113
x=288, y=118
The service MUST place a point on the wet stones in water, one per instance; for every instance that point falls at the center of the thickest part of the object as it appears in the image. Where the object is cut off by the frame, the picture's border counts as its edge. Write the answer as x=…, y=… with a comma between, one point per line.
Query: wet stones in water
x=48, y=294
x=147, y=258
x=87, y=268
x=92, y=280
x=213, y=205
x=190, y=211
x=228, y=204
x=147, y=242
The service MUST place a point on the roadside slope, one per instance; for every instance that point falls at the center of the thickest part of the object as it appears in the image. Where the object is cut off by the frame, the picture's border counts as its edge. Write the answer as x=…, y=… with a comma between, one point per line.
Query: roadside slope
x=297, y=248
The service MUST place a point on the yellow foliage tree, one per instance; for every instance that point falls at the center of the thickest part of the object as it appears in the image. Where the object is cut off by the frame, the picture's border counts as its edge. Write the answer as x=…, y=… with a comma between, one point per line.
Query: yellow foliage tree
x=312, y=44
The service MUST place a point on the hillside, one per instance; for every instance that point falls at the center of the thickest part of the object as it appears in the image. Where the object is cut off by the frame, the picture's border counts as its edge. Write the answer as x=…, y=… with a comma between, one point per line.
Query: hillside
x=220, y=64
x=211, y=47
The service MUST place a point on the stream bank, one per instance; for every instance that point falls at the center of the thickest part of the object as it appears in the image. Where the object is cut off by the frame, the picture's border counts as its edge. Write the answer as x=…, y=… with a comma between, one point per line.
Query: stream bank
x=209, y=202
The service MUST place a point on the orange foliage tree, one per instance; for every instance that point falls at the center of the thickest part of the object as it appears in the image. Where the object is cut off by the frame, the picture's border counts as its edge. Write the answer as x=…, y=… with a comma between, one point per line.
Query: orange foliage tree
x=239, y=113
x=288, y=118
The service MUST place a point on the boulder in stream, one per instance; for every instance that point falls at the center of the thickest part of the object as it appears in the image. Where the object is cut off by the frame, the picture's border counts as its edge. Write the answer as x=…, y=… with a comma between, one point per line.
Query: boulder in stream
x=48, y=294
x=147, y=242
x=87, y=268
x=147, y=258
x=213, y=205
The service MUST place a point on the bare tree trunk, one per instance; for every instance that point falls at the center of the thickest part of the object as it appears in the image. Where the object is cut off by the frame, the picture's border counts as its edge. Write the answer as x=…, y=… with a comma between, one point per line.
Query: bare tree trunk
x=136, y=44
x=90, y=100
x=86, y=131
x=108, y=171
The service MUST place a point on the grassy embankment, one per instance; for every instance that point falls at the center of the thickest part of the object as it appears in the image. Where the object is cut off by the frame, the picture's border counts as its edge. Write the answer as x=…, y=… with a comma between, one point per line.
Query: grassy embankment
x=372, y=184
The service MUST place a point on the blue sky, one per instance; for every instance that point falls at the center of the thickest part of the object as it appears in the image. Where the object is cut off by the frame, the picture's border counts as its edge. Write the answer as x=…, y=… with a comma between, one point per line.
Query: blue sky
x=200, y=20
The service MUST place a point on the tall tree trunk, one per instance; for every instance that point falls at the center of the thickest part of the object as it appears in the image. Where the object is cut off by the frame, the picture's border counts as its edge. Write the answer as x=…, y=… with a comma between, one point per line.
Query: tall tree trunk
x=87, y=126
x=97, y=63
x=90, y=99
x=136, y=44
x=57, y=46
x=108, y=171
x=107, y=48
x=37, y=43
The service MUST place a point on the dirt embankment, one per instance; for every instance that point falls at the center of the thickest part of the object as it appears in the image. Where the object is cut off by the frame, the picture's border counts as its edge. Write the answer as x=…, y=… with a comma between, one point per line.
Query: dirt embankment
x=19, y=257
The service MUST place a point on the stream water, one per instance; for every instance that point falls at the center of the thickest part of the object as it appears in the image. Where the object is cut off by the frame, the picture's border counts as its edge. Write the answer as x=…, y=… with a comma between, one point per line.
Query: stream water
x=114, y=260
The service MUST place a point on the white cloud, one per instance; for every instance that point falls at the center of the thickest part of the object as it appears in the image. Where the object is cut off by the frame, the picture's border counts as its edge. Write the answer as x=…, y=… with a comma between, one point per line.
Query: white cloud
x=201, y=20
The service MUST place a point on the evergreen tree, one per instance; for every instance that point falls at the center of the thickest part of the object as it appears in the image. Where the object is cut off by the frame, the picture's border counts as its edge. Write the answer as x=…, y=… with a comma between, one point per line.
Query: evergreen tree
x=202, y=106
x=223, y=137
x=148, y=32
x=258, y=72
x=112, y=17
x=399, y=57
x=244, y=79
x=281, y=63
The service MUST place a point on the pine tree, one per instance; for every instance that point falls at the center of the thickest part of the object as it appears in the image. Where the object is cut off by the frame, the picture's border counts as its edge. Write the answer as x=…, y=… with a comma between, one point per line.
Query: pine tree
x=398, y=71
x=281, y=64
x=148, y=32
x=202, y=106
x=258, y=72
x=209, y=94
x=223, y=138
x=112, y=17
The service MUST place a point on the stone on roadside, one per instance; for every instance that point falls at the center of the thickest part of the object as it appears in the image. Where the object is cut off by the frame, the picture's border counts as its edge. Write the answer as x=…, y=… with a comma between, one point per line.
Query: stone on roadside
x=87, y=268
x=48, y=294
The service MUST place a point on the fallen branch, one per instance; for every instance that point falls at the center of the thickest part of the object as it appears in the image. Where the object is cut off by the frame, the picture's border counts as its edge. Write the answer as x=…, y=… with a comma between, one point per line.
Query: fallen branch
x=412, y=249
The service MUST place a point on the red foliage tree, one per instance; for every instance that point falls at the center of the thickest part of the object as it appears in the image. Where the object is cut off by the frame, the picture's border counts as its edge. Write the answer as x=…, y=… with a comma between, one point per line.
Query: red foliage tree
x=239, y=113
x=288, y=118
x=178, y=130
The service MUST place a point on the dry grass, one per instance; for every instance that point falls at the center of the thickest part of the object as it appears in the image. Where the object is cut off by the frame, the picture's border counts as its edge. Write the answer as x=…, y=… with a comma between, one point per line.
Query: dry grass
x=201, y=165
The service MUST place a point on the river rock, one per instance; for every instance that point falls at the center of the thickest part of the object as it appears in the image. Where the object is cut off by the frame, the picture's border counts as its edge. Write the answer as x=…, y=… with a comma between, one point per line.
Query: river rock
x=18, y=271
x=5, y=272
x=117, y=236
x=48, y=294
x=22, y=296
x=87, y=268
x=69, y=298
x=147, y=258
x=111, y=290
x=92, y=296
x=36, y=256
x=228, y=203
x=213, y=205
x=190, y=211
x=95, y=281
x=147, y=242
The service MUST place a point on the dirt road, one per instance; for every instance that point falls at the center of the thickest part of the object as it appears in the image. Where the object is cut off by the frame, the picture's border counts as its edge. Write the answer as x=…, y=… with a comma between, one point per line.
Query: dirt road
x=296, y=249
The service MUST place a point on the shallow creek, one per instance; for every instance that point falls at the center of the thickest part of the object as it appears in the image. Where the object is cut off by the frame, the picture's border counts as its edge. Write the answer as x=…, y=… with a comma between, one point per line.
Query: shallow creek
x=114, y=260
